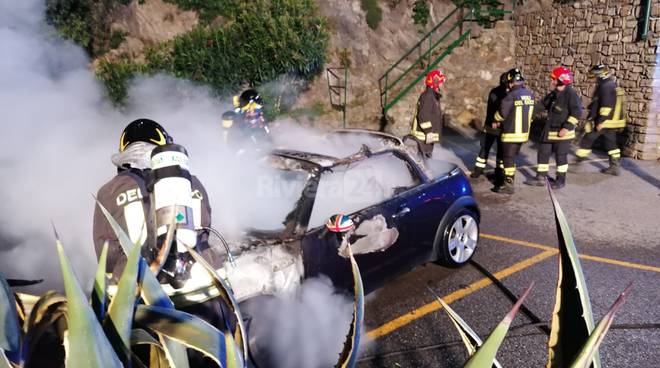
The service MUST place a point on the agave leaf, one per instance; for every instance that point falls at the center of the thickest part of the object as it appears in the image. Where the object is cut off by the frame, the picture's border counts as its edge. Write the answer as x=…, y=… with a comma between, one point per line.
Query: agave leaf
x=349, y=355
x=87, y=344
x=120, y=313
x=192, y=332
x=572, y=319
x=20, y=311
x=4, y=362
x=470, y=338
x=157, y=264
x=47, y=312
x=10, y=330
x=485, y=355
x=152, y=292
x=100, y=292
x=227, y=296
x=158, y=358
x=46, y=304
x=585, y=357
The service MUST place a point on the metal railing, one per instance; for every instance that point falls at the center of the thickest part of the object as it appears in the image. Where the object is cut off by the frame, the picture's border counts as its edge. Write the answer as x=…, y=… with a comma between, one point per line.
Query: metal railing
x=337, y=89
x=395, y=84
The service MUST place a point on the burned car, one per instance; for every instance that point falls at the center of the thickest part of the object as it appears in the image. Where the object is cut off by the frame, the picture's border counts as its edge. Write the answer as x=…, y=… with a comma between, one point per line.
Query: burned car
x=407, y=212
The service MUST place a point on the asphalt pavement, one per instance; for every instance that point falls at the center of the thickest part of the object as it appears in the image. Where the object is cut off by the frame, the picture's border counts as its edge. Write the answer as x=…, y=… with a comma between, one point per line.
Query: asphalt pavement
x=616, y=225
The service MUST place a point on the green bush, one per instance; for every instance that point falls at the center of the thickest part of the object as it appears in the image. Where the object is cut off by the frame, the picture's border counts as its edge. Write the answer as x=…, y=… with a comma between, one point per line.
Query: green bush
x=373, y=11
x=284, y=37
x=208, y=9
x=116, y=75
x=483, y=10
x=420, y=12
x=85, y=22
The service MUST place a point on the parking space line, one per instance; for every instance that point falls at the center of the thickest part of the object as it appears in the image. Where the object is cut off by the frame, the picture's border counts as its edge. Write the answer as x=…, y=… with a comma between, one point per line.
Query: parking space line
x=420, y=312
x=611, y=261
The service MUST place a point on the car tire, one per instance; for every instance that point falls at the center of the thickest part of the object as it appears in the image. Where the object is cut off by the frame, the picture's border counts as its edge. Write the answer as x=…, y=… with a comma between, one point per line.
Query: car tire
x=458, y=238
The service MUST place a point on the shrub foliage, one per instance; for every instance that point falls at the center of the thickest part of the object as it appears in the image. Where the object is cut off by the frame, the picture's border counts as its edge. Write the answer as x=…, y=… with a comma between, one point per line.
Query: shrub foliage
x=261, y=40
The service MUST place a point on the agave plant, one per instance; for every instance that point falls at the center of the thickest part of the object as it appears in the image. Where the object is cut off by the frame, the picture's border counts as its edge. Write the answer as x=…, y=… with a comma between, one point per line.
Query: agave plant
x=573, y=339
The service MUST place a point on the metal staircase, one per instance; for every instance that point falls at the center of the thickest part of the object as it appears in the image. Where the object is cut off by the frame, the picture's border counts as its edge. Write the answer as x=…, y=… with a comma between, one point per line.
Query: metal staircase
x=431, y=49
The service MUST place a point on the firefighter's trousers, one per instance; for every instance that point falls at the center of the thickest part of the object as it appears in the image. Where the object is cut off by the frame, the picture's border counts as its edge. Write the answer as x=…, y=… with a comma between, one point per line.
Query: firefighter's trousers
x=561, y=149
x=610, y=143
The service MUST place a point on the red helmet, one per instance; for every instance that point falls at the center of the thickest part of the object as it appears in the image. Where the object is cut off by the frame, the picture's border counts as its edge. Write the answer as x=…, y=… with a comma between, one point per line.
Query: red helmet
x=562, y=75
x=435, y=79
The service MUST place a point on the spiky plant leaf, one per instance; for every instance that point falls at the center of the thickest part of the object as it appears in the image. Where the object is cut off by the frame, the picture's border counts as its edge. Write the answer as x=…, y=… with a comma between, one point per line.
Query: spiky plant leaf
x=45, y=305
x=470, y=338
x=485, y=355
x=227, y=296
x=158, y=358
x=119, y=323
x=157, y=264
x=152, y=292
x=87, y=344
x=20, y=311
x=100, y=291
x=192, y=332
x=46, y=312
x=572, y=319
x=349, y=354
x=585, y=357
x=10, y=330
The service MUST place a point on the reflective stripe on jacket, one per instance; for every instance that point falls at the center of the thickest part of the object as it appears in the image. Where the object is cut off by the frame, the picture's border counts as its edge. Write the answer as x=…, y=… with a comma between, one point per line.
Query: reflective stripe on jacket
x=608, y=104
x=515, y=115
x=564, y=111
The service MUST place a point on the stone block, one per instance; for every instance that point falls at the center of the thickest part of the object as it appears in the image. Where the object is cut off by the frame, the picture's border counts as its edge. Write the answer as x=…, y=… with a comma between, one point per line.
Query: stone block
x=599, y=27
x=611, y=10
x=655, y=11
x=598, y=37
x=596, y=18
x=632, y=58
x=616, y=22
x=613, y=37
x=625, y=10
x=616, y=49
x=631, y=48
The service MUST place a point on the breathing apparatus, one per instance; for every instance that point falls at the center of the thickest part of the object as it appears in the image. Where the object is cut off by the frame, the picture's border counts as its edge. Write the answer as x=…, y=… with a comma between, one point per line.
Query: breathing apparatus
x=172, y=203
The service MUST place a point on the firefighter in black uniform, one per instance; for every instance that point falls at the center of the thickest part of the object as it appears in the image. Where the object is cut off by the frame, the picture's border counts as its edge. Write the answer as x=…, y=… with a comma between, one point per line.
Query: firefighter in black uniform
x=428, y=120
x=607, y=113
x=564, y=109
x=513, y=119
x=490, y=134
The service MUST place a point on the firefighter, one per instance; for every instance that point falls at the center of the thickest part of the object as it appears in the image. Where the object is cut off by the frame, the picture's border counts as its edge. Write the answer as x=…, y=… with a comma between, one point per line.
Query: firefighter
x=490, y=134
x=513, y=119
x=564, y=109
x=249, y=105
x=232, y=127
x=128, y=198
x=428, y=120
x=607, y=113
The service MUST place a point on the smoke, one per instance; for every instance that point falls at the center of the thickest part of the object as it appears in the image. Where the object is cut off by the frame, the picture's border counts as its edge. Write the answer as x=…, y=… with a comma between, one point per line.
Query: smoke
x=59, y=131
x=305, y=330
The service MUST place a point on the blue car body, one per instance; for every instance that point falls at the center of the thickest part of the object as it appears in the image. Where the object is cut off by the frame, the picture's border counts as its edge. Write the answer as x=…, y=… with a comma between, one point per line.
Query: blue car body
x=420, y=214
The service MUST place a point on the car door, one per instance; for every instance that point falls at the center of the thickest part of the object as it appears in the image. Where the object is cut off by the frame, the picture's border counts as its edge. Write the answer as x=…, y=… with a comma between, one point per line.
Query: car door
x=382, y=194
x=401, y=210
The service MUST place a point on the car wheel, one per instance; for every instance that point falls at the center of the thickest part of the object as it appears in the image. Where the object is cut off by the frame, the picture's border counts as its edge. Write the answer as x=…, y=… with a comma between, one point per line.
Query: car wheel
x=459, y=239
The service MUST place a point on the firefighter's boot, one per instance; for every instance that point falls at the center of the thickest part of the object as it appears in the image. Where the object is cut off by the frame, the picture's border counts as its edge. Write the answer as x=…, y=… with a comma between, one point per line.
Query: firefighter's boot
x=507, y=186
x=560, y=181
x=614, y=167
x=477, y=172
x=538, y=181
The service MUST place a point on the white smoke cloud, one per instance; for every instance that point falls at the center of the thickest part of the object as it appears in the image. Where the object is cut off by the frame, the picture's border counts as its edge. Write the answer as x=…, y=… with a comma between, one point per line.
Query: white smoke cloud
x=305, y=330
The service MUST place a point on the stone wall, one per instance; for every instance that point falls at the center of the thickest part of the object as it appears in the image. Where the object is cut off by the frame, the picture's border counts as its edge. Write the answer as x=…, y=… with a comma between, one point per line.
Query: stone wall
x=584, y=33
